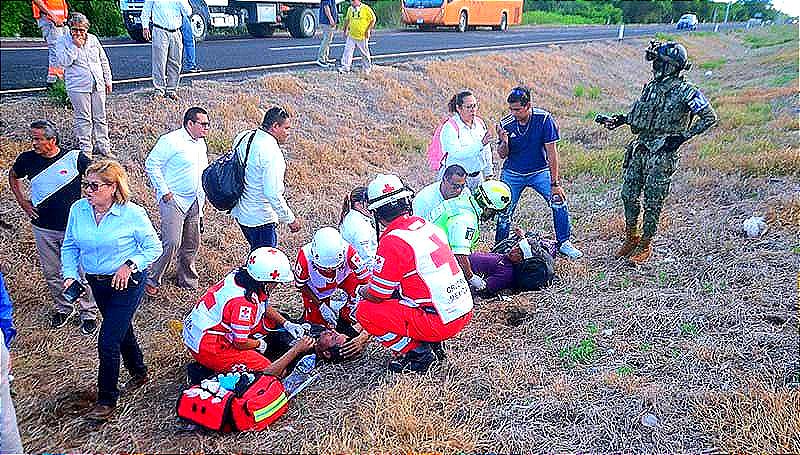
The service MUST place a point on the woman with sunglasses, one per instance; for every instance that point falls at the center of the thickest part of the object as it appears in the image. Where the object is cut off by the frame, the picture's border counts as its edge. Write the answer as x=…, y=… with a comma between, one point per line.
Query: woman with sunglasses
x=87, y=75
x=113, y=240
x=466, y=140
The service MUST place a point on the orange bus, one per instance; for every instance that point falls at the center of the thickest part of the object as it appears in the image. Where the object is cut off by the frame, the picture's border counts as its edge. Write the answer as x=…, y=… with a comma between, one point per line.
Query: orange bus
x=463, y=14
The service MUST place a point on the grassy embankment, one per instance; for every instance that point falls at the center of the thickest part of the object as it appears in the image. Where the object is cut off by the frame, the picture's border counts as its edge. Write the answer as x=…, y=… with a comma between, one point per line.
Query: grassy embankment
x=704, y=337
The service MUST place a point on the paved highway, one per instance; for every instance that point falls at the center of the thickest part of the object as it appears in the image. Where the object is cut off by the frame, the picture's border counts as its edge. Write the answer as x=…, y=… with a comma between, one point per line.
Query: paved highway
x=23, y=64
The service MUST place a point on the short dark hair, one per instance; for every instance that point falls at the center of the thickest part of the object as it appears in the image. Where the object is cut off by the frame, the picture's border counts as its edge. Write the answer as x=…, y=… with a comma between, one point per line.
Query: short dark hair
x=519, y=95
x=47, y=127
x=274, y=115
x=458, y=100
x=454, y=169
x=191, y=114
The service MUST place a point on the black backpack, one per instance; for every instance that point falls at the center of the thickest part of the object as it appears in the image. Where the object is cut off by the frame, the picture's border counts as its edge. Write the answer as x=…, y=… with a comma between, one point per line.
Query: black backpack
x=534, y=273
x=223, y=180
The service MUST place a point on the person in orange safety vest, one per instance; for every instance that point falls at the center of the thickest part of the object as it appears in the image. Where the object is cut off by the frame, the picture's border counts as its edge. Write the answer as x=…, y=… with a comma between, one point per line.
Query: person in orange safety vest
x=51, y=17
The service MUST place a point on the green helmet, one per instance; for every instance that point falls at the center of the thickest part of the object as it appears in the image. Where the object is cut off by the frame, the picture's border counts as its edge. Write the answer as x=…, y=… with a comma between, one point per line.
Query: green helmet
x=492, y=194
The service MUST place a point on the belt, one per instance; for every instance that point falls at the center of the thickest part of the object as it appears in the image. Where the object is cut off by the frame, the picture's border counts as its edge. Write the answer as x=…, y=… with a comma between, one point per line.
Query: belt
x=474, y=174
x=165, y=28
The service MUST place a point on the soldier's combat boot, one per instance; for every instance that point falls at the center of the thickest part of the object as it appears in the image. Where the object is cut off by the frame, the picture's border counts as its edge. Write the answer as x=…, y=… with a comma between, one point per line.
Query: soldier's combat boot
x=632, y=238
x=642, y=252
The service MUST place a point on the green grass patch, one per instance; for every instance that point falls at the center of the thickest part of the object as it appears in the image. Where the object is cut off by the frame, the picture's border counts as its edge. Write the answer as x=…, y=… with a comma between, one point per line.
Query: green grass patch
x=406, y=142
x=688, y=329
x=624, y=370
x=661, y=36
x=770, y=36
x=576, y=160
x=713, y=64
x=735, y=116
x=583, y=352
x=796, y=250
x=591, y=92
x=784, y=80
x=590, y=115
x=550, y=17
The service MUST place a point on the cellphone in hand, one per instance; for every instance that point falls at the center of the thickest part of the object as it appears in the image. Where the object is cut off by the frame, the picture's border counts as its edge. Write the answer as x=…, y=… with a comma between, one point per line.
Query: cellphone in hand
x=74, y=291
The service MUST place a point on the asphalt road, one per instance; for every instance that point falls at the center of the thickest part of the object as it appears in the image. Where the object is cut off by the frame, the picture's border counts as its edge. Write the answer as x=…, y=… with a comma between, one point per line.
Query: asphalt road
x=23, y=65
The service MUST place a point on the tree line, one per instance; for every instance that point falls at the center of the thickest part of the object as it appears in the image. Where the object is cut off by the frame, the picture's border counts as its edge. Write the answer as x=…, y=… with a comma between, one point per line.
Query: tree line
x=16, y=17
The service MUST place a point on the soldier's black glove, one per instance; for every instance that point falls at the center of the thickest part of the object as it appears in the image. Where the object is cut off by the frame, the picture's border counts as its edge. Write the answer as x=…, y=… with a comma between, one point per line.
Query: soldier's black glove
x=618, y=120
x=672, y=142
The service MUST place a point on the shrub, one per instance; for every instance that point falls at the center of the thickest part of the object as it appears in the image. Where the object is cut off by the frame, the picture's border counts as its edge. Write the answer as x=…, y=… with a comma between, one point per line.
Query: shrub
x=57, y=93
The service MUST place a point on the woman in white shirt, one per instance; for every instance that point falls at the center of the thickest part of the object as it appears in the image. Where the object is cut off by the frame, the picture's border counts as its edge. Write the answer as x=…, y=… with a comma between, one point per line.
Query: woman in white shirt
x=87, y=76
x=357, y=227
x=466, y=140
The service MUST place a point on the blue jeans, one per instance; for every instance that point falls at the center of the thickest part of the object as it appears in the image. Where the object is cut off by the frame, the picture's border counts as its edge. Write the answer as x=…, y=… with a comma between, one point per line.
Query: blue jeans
x=539, y=181
x=189, y=56
x=258, y=236
x=116, y=333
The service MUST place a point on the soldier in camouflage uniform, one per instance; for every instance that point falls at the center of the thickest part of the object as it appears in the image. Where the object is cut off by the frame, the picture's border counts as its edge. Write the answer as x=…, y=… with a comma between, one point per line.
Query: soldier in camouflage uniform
x=662, y=118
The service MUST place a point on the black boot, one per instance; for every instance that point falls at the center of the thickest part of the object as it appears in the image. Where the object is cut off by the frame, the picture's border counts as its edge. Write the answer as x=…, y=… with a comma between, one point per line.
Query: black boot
x=417, y=360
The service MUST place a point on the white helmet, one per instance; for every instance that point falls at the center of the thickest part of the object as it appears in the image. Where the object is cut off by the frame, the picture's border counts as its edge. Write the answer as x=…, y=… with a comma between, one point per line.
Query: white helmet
x=385, y=189
x=328, y=248
x=269, y=264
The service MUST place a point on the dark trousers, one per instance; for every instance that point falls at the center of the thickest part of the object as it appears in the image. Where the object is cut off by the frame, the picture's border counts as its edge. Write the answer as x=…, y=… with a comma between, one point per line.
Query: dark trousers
x=116, y=333
x=258, y=236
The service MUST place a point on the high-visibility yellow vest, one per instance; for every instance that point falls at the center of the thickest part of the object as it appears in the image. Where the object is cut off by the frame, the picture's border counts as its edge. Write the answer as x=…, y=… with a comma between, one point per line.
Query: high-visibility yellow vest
x=58, y=9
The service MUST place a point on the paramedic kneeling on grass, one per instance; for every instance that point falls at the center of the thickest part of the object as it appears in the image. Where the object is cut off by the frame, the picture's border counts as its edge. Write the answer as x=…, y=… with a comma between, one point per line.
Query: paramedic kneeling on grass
x=217, y=331
x=417, y=296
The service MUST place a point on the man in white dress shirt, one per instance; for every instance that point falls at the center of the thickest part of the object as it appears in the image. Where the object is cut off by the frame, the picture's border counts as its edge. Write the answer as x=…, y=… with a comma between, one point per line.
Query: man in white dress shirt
x=175, y=167
x=166, y=18
x=262, y=204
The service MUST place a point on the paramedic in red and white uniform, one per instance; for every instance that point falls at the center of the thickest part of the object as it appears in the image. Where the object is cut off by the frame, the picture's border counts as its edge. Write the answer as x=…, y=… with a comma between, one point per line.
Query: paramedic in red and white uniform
x=417, y=296
x=217, y=331
x=326, y=264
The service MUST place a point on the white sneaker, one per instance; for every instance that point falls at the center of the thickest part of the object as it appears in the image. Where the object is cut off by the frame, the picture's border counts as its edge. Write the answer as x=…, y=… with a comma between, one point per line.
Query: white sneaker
x=570, y=251
x=322, y=64
x=342, y=70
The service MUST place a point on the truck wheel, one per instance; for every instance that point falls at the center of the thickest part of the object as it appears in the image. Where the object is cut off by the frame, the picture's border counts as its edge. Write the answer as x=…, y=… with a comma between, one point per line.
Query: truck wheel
x=136, y=34
x=302, y=23
x=199, y=19
x=260, y=30
x=462, y=22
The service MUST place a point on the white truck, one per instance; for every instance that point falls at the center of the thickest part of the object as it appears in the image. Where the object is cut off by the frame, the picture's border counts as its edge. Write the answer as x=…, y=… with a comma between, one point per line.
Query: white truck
x=260, y=17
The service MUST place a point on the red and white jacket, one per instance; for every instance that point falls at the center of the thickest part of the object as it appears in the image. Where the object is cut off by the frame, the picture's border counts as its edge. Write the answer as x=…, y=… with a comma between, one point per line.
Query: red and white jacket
x=413, y=258
x=322, y=286
x=224, y=311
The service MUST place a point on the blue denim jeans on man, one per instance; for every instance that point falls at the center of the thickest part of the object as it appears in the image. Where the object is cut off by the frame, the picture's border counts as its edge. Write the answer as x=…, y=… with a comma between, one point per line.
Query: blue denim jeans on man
x=189, y=55
x=539, y=181
x=116, y=333
x=258, y=236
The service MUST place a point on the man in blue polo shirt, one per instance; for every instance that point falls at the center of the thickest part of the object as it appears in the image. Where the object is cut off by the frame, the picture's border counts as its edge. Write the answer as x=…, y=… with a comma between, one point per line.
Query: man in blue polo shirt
x=328, y=18
x=527, y=140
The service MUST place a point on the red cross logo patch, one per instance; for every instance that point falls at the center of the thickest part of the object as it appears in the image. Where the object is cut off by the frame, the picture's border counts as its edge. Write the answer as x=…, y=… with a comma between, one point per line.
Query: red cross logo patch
x=253, y=259
x=387, y=188
x=275, y=274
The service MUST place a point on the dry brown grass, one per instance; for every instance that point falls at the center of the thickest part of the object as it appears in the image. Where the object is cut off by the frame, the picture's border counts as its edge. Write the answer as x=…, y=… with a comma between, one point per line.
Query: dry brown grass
x=704, y=337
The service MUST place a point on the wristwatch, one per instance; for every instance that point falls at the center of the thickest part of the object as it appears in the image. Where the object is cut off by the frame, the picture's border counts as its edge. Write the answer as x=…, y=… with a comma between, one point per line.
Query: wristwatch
x=132, y=265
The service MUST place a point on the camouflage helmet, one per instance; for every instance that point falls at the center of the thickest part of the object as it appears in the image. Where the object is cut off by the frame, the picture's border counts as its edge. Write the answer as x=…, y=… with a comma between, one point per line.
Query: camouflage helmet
x=668, y=58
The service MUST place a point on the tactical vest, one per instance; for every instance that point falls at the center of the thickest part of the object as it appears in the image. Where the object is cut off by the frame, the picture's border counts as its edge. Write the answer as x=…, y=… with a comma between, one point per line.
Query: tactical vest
x=662, y=109
x=57, y=7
